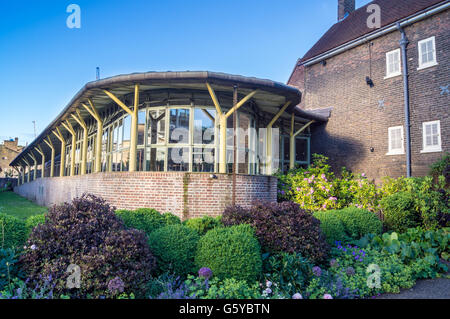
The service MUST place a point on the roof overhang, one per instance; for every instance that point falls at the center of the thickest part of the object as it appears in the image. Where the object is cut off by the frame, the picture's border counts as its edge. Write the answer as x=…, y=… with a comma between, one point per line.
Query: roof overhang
x=271, y=95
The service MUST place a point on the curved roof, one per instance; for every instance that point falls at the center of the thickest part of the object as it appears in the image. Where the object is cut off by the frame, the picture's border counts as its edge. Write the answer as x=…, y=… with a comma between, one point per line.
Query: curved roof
x=270, y=97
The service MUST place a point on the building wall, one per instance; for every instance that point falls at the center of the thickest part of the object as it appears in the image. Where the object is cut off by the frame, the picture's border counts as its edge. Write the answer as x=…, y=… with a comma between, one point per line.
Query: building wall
x=187, y=195
x=358, y=122
x=8, y=151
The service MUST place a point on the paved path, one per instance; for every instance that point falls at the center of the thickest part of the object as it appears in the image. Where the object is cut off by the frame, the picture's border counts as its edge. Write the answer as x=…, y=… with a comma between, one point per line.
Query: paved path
x=438, y=288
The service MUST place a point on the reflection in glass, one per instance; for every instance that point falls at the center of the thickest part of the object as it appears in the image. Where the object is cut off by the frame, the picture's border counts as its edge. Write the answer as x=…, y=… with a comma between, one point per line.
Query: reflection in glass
x=141, y=128
x=156, y=127
x=204, y=121
x=203, y=160
x=158, y=157
x=179, y=126
x=178, y=159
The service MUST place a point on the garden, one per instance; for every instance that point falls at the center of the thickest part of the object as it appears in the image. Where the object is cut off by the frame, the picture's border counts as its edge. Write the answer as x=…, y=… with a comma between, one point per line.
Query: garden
x=330, y=236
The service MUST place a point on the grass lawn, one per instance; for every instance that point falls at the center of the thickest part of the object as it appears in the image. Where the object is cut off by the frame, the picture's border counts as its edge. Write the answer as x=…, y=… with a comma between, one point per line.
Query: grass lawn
x=18, y=206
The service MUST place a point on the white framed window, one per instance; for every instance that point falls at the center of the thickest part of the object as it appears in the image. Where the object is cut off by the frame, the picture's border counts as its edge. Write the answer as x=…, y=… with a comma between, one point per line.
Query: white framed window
x=393, y=64
x=427, y=53
x=431, y=132
x=396, y=142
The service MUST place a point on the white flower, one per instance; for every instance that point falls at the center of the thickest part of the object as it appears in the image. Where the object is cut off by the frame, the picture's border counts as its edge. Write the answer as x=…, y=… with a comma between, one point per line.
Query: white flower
x=33, y=247
x=268, y=284
x=268, y=291
x=297, y=296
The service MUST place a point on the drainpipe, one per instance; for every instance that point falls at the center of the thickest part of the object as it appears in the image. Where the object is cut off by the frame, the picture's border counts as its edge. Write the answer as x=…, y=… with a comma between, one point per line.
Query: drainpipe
x=403, y=44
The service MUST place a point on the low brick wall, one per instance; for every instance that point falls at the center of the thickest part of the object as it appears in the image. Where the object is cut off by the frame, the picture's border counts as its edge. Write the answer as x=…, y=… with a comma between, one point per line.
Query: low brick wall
x=184, y=194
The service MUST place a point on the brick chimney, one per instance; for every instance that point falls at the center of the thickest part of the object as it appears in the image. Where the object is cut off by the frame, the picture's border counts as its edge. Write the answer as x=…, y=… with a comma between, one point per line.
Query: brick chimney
x=345, y=7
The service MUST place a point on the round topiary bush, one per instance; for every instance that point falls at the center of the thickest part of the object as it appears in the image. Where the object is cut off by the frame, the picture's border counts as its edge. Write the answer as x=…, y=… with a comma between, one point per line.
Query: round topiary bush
x=146, y=219
x=33, y=221
x=13, y=232
x=282, y=227
x=174, y=247
x=358, y=222
x=230, y=252
x=331, y=226
x=204, y=224
x=88, y=234
x=399, y=211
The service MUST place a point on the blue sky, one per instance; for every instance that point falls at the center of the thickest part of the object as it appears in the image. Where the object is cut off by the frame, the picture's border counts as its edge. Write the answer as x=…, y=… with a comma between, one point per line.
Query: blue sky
x=43, y=63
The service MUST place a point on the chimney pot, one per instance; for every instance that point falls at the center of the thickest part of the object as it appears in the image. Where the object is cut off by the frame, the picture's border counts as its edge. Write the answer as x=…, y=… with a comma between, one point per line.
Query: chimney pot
x=345, y=7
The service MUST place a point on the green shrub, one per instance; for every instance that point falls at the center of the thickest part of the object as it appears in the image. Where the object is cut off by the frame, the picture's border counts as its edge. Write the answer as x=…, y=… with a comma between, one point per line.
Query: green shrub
x=9, y=267
x=171, y=219
x=33, y=221
x=146, y=219
x=358, y=222
x=87, y=233
x=281, y=227
x=230, y=252
x=332, y=226
x=399, y=211
x=442, y=166
x=231, y=288
x=174, y=247
x=289, y=273
x=204, y=224
x=13, y=232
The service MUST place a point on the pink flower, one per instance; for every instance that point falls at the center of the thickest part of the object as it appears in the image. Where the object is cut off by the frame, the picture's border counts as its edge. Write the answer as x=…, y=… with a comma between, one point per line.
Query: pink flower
x=332, y=198
x=363, y=174
x=324, y=206
x=297, y=296
x=323, y=176
x=298, y=189
x=327, y=296
x=311, y=191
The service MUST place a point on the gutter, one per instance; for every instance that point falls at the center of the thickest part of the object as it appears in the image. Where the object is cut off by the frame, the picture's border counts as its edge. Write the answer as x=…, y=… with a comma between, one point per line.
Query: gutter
x=387, y=29
x=403, y=44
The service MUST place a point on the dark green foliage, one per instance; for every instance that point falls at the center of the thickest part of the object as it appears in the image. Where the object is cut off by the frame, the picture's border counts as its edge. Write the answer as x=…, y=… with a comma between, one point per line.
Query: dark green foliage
x=204, y=224
x=9, y=267
x=146, y=219
x=399, y=211
x=171, y=219
x=13, y=231
x=331, y=226
x=230, y=252
x=33, y=221
x=174, y=247
x=87, y=233
x=290, y=271
x=358, y=222
x=441, y=167
x=282, y=227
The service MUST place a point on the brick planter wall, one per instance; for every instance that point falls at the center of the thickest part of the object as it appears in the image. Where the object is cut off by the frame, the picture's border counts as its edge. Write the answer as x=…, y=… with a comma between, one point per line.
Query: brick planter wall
x=184, y=194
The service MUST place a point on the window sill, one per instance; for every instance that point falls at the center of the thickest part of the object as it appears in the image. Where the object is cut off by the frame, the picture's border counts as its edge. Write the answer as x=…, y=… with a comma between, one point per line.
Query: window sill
x=426, y=66
x=392, y=76
x=395, y=153
x=431, y=150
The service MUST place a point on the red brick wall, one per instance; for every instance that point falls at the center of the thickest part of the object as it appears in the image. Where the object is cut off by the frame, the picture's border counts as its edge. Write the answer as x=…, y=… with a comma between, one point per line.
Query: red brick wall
x=184, y=194
x=357, y=122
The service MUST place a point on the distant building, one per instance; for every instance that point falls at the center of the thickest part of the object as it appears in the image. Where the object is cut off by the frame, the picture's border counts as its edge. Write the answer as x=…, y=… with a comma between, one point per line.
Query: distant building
x=9, y=149
x=359, y=72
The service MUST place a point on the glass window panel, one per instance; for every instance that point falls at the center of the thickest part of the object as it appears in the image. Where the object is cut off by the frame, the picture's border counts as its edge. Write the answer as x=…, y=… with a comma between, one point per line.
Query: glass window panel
x=157, y=127
x=203, y=160
x=301, y=149
x=156, y=159
x=126, y=131
x=204, y=121
x=178, y=159
x=125, y=160
x=140, y=159
x=287, y=146
x=141, y=128
x=179, y=126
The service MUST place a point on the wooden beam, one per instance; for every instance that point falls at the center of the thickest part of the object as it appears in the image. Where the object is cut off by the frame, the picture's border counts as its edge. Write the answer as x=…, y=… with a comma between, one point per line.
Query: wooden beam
x=119, y=102
x=214, y=98
x=240, y=103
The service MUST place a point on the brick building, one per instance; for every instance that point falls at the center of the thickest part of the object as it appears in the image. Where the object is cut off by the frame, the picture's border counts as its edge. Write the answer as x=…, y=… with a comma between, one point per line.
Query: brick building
x=357, y=69
x=9, y=149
